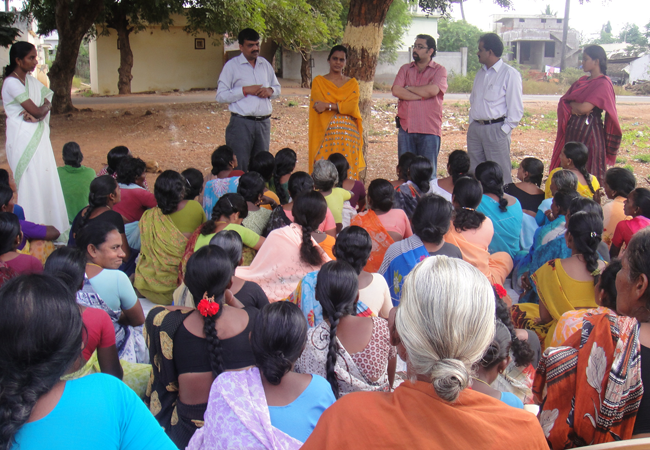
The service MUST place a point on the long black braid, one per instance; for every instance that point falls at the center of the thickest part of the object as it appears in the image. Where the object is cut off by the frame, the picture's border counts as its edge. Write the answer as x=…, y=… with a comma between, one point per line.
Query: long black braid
x=490, y=175
x=285, y=163
x=100, y=190
x=586, y=229
x=579, y=154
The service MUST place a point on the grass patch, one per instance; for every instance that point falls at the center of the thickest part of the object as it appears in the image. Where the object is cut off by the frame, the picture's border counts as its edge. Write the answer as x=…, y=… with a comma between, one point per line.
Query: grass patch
x=383, y=87
x=629, y=167
x=76, y=82
x=620, y=90
x=514, y=164
x=292, y=103
x=88, y=93
x=376, y=133
x=532, y=87
x=643, y=158
x=620, y=160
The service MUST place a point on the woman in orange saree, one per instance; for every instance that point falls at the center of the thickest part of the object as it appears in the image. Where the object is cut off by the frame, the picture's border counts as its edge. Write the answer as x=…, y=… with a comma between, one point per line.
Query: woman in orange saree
x=334, y=117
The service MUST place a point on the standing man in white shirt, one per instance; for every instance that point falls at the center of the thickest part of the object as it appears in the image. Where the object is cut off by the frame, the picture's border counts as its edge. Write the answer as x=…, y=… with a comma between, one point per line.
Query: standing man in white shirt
x=496, y=107
x=248, y=83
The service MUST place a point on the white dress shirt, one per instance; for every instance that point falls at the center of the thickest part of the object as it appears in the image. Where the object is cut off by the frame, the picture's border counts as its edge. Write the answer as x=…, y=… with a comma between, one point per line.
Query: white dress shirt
x=497, y=93
x=236, y=74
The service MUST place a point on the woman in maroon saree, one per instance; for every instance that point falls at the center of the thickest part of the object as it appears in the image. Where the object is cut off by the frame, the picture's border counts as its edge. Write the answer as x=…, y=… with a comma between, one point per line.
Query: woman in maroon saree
x=579, y=115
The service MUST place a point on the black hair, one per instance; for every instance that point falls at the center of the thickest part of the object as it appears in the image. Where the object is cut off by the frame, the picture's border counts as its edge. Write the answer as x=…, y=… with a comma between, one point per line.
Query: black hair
x=620, y=180
x=563, y=199
x=95, y=233
x=114, y=157
x=579, y=154
x=431, y=42
x=221, y=159
x=381, y=194
x=19, y=50
x=309, y=210
x=535, y=169
x=490, y=174
x=4, y=177
x=432, y=218
x=230, y=241
x=597, y=52
x=277, y=339
x=300, y=182
x=420, y=172
x=6, y=194
x=468, y=194
x=41, y=335
x=523, y=354
x=285, y=163
x=499, y=348
x=9, y=230
x=586, y=229
x=458, y=164
x=251, y=187
x=338, y=48
x=638, y=258
x=342, y=166
x=492, y=41
x=208, y=274
x=194, y=180
x=404, y=163
x=248, y=34
x=264, y=164
x=67, y=264
x=227, y=205
x=337, y=289
x=169, y=190
x=580, y=203
x=72, y=155
x=608, y=283
x=353, y=245
x=641, y=198
x=130, y=169
x=100, y=189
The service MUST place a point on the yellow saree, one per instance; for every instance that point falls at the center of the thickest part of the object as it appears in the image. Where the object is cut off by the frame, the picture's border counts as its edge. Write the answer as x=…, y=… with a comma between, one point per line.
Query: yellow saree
x=332, y=132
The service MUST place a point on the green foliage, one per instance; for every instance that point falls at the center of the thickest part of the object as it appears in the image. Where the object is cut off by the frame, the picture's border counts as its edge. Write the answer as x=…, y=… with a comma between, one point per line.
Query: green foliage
x=570, y=75
x=620, y=160
x=215, y=17
x=441, y=6
x=461, y=84
x=8, y=33
x=549, y=12
x=398, y=21
x=629, y=167
x=292, y=103
x=632, y=35
x=455, y=34
x=643, y=158
x=514, y=164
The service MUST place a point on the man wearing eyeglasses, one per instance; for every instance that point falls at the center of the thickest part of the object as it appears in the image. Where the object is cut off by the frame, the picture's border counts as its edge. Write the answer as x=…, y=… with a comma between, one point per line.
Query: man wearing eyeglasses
x=420, y=87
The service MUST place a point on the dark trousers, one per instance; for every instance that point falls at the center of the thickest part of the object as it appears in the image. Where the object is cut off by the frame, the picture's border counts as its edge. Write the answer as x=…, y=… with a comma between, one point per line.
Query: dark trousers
x=247, y=138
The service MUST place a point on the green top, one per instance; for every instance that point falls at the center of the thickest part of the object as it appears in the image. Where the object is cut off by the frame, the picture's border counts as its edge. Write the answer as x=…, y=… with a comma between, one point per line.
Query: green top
x=75, y=183
x=189, y=218
x=248, y=237
x=335, y=202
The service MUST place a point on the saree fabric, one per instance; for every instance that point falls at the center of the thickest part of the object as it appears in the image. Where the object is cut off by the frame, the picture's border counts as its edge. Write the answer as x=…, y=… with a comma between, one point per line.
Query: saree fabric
x=613, y=213
x=571, y=322
x=336, y=132
x=277, y=267
x=507, y=225
x=381, y=240
x=413, y=416
x=473, y=245
x=599, y=369
x=399, y=260
x=30, y=156
x=603, y=141
x=162, y=248
x=214, y=189
x=582, y=189
x=238, y=416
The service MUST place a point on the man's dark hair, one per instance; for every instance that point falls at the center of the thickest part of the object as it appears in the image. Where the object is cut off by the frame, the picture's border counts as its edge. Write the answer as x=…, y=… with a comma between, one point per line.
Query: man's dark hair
x=431, y=42
x=248, y=34
x=492, y=41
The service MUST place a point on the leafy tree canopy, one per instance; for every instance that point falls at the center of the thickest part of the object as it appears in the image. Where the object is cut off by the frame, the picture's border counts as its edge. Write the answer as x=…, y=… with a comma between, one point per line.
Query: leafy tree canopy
x=455, y=34
x=442, y=6
x=8, y=33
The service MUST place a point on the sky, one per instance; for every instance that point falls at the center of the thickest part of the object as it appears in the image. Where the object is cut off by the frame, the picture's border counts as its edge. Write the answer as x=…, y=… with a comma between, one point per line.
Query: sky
x=587, y=18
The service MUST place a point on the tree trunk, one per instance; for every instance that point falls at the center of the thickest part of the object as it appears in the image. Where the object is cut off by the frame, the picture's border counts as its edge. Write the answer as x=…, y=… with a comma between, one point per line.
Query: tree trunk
x=268, y=49
x=363, y=35
x=121, y=25
x=73, y=20
x=305, y=70
x=565, y=34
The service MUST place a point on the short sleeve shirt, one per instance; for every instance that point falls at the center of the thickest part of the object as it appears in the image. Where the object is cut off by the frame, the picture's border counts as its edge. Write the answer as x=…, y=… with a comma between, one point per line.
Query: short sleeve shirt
x=99, y=331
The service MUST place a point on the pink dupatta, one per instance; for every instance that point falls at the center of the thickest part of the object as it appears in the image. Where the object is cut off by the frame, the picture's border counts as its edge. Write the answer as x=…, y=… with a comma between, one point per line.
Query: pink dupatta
x=599, y=92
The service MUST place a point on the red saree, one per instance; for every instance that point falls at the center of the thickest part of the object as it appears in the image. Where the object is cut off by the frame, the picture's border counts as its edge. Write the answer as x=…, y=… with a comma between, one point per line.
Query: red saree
x=602, y=140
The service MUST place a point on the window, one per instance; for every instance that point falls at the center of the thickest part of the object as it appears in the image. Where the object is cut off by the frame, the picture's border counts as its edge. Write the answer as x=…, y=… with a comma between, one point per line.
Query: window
x=543, y=20
x=522, y=20
x=559, y=20
x=549, y=50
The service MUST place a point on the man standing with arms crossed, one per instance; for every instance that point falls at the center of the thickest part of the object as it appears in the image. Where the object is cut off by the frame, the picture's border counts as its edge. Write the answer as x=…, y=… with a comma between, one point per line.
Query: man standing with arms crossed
x=496, y=107
x=247, y=83
x=420, y=87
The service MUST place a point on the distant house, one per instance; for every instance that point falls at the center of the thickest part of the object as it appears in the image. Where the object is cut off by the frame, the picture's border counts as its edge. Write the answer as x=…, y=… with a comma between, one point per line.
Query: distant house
x=163, y=60
x=639, y=69
x=625, y=65
x=536, y=41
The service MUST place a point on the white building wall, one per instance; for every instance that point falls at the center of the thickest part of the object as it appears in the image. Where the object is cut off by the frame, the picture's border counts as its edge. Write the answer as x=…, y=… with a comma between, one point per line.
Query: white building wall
x=419, y=25
x=639, y=69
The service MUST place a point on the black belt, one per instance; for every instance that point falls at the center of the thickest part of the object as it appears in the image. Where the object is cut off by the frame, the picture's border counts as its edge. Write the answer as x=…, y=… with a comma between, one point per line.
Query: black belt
x=255, y=118
x=490, y=121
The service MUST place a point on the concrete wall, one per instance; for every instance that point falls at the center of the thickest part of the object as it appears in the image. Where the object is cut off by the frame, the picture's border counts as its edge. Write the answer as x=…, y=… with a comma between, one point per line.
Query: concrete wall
x=162, y=61
x=639, y=69
x=420, y=25
x=385, y=72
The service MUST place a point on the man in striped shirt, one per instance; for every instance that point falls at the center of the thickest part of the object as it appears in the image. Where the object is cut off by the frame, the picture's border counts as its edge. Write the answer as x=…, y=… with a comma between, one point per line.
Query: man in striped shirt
x=420, y=87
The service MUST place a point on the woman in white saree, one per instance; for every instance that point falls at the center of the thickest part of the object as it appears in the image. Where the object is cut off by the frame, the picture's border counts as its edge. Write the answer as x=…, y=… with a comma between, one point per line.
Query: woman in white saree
x=29, y=151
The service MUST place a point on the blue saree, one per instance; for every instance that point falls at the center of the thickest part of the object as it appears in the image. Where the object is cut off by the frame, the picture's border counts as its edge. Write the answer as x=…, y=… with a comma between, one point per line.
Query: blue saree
x=400, y=258
x=507, y=226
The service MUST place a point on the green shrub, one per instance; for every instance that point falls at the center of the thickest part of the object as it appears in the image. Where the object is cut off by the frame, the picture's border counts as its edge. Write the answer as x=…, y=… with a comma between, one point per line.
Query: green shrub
x=620, y=160
x=514, y=164
x=461, y=84
x=569, y=76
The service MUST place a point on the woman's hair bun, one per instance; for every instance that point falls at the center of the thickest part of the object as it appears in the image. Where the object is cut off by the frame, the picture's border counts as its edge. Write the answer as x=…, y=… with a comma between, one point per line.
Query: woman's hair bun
x=450, y=377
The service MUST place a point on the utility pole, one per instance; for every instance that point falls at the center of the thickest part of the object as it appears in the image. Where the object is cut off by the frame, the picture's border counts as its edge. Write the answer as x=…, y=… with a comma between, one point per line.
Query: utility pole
x=565, y=35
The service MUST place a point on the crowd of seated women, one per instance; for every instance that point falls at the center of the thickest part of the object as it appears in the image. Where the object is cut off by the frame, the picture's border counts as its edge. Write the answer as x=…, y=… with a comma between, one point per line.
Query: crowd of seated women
x=281, y=309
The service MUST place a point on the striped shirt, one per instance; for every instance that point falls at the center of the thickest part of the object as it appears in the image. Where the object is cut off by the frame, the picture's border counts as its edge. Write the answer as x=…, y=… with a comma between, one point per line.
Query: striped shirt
x=422, y=116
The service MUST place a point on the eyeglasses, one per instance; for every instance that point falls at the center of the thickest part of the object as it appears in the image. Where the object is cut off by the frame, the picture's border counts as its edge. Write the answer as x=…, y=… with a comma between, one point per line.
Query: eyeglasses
x=420, y=47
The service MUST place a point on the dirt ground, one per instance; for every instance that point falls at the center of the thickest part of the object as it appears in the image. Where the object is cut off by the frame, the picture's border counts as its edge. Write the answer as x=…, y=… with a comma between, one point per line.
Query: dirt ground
x=182, y=135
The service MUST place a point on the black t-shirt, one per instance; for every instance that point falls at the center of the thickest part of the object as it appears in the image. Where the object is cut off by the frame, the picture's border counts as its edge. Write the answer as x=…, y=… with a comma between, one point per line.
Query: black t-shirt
x=448, y=249
x=642, y=424
x=529, y=202
x=252, y=295
x=107, y=216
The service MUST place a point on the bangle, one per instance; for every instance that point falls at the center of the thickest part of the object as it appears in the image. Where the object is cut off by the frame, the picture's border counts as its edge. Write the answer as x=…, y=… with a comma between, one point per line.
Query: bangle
x=329, y=106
